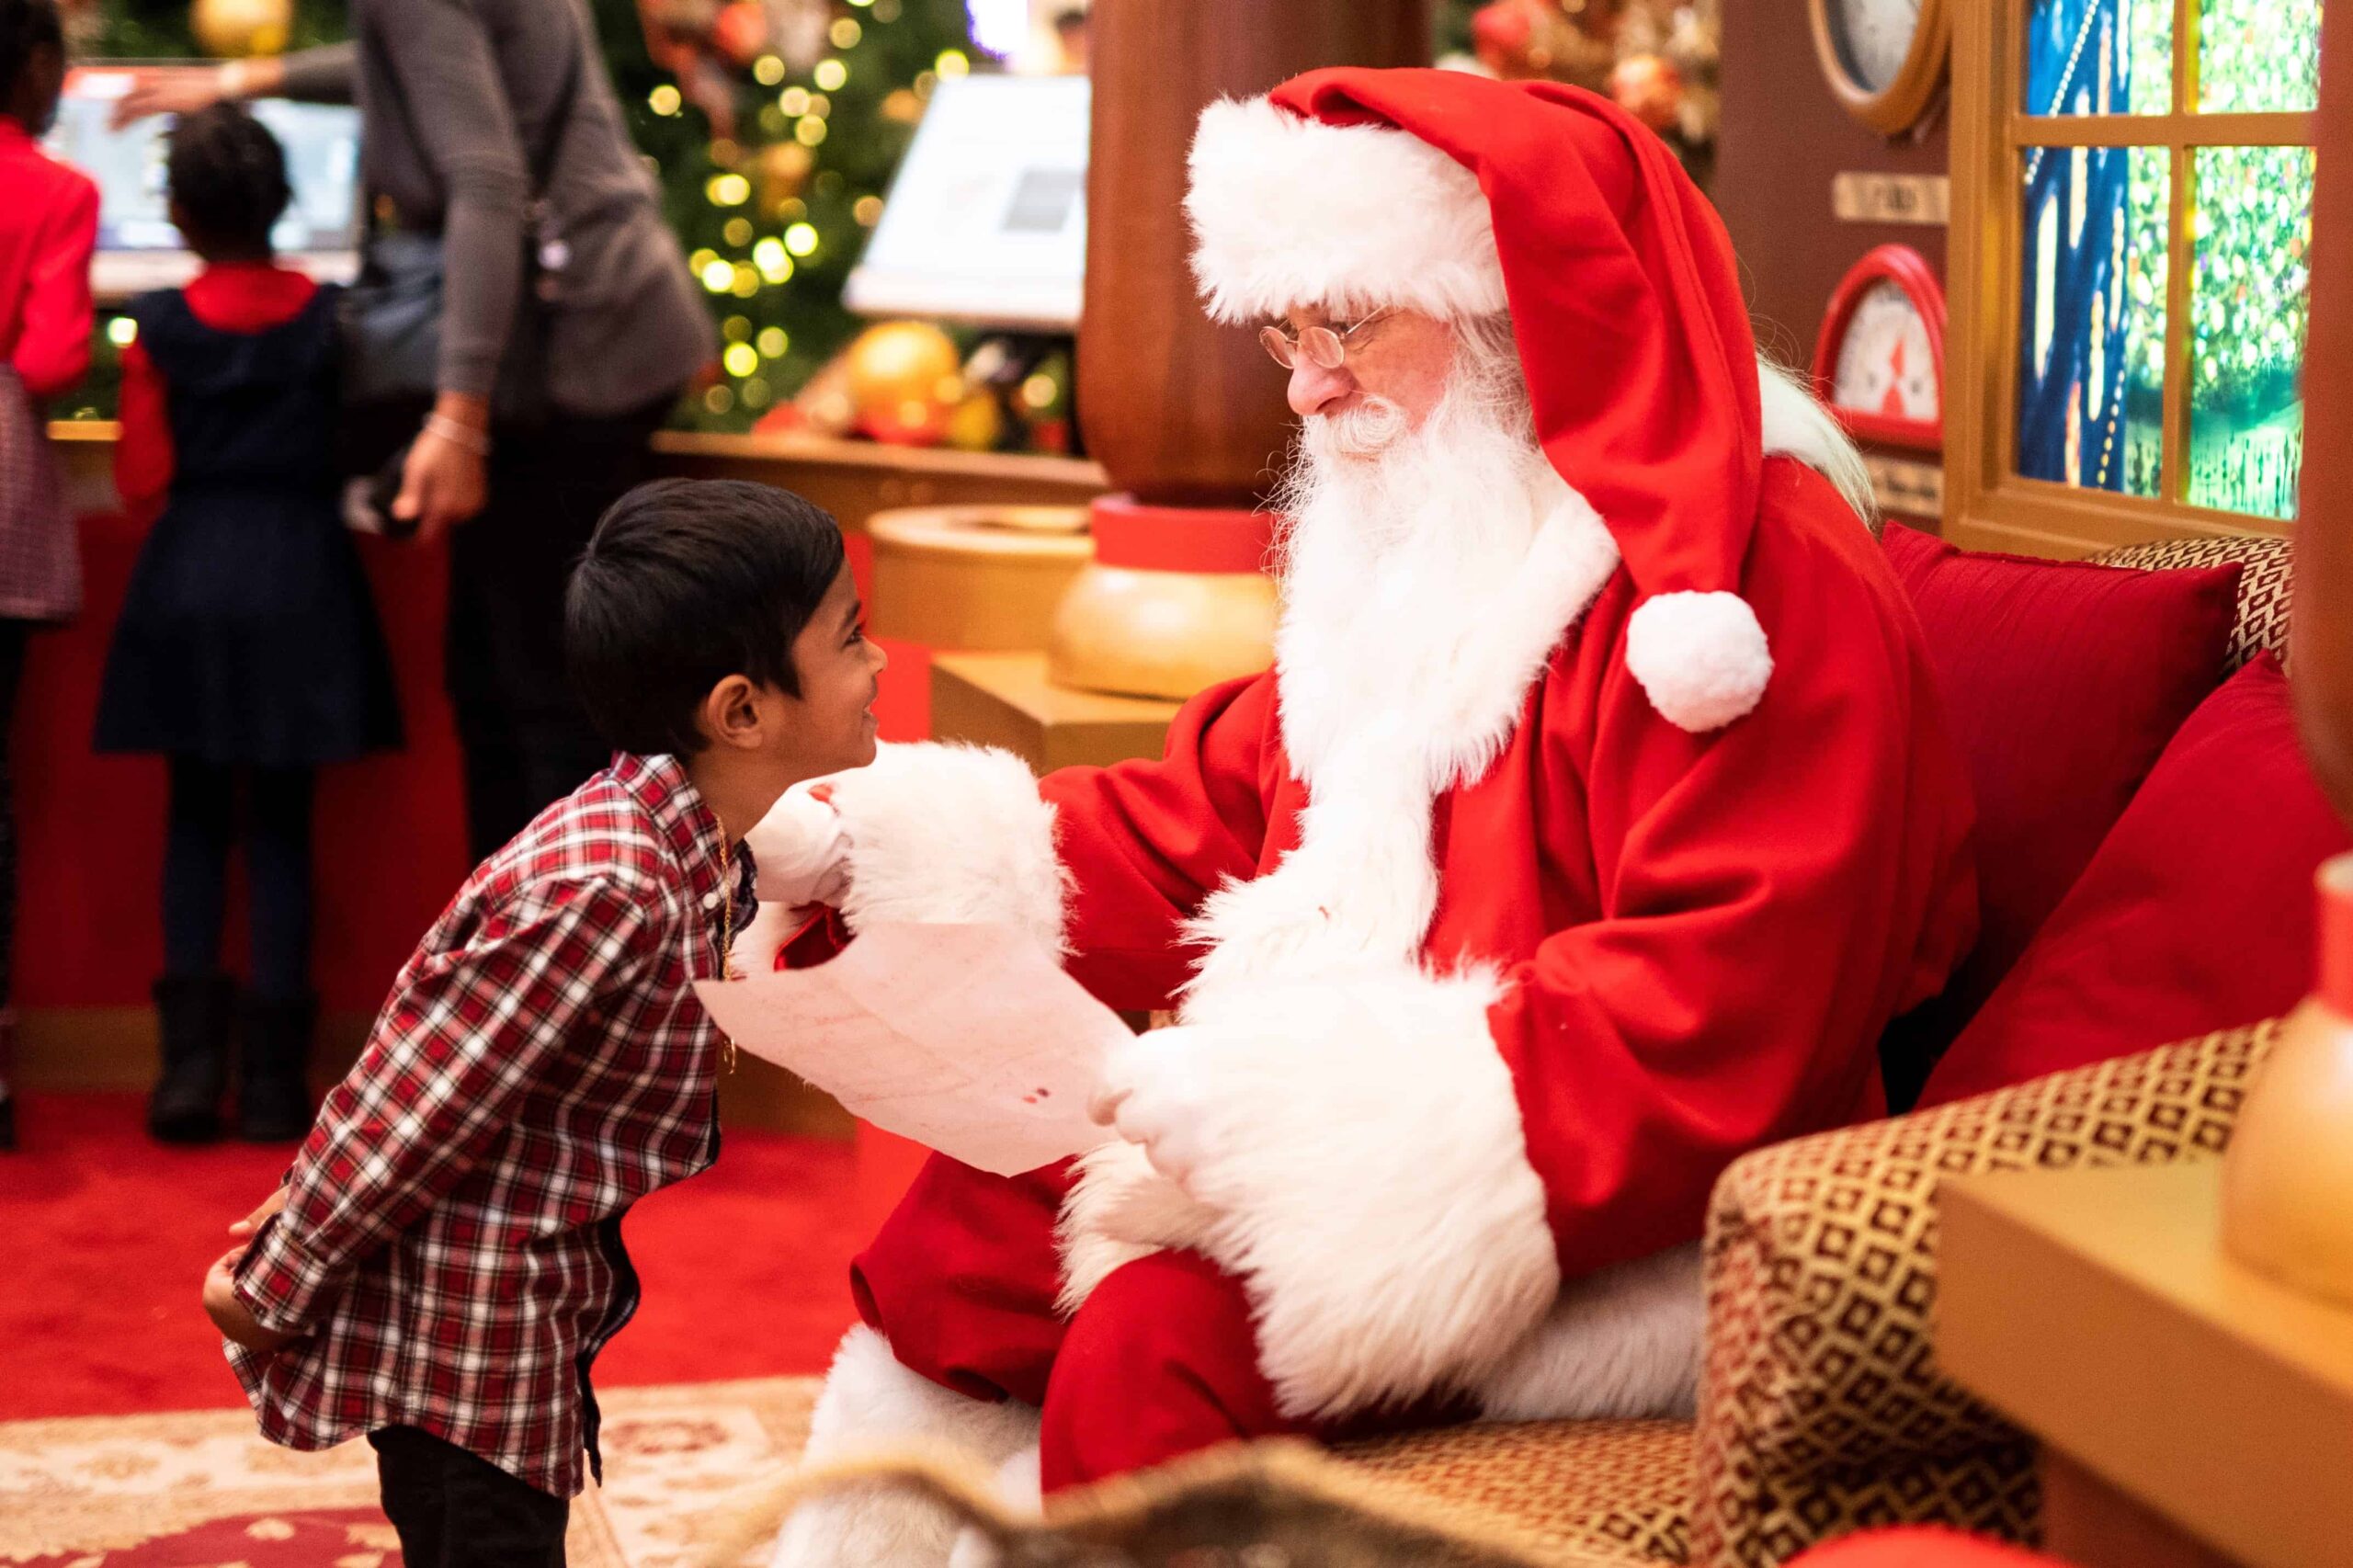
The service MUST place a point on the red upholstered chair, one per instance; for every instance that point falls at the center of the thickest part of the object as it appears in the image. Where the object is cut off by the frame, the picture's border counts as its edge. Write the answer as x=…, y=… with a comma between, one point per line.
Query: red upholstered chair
x=1821, y=1408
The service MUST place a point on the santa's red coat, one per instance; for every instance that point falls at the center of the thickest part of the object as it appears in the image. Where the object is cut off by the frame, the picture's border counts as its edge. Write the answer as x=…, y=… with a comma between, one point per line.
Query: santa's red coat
x=1694, y=940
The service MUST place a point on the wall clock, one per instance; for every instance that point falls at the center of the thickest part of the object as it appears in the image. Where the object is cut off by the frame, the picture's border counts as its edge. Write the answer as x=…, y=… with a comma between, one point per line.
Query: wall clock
x=1883, y=58
x=1881, y=358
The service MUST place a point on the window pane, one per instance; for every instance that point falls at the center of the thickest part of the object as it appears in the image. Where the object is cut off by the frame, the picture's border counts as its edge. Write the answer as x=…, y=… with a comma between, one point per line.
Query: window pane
x=2092, y=316
x=2100, y=56
x=2247, y=348
x=2258, y=56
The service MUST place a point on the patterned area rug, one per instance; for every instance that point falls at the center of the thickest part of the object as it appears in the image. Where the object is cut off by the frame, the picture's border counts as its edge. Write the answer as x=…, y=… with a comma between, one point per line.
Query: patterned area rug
x=684, y=1467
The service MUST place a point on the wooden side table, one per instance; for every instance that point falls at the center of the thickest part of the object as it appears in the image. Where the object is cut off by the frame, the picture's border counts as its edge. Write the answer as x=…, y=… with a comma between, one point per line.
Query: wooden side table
x=2191, y=1411
x=1005, y=700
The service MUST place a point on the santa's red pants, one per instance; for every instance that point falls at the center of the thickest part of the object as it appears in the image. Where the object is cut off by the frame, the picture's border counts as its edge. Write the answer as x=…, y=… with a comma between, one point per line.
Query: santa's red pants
x=1160, y=1360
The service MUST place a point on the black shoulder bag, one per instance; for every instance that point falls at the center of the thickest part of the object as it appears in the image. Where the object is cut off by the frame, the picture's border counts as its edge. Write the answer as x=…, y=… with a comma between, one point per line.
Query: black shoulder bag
x=388, y=320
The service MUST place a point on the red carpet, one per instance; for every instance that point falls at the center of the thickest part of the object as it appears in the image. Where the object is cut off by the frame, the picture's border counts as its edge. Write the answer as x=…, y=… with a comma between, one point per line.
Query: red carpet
x=743, y=1266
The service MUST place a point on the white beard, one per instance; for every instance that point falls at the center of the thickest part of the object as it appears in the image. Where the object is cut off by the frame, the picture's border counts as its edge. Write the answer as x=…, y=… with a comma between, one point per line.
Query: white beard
x=1428, y=577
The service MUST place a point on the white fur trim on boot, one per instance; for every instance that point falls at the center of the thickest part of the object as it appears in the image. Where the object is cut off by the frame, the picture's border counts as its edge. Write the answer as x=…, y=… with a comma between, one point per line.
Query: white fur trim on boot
x=1701, y=657
x=872, y=1404
x=950, y=834
x=1359, y=1142
x=1620, y=1342
x=1021, y=1488
x=1288, y=212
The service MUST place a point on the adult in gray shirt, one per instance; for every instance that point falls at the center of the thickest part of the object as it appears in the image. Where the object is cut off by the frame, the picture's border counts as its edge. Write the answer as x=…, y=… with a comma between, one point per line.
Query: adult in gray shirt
x=459, y=99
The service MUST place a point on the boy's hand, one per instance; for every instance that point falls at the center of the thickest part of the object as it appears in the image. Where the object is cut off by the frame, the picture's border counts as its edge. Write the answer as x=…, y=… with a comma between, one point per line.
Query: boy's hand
x=229, y=1315
x=249, y=1227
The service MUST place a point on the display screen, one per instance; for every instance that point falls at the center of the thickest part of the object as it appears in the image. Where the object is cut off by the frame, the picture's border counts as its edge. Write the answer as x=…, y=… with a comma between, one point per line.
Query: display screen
x=322, y=143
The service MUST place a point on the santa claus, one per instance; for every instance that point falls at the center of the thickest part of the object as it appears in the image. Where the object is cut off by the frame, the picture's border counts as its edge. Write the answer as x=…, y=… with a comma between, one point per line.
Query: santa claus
x=1594, y=822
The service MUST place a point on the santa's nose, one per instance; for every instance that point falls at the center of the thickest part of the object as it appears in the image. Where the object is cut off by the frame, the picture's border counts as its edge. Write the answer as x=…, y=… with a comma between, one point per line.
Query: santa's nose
x=1314, y=389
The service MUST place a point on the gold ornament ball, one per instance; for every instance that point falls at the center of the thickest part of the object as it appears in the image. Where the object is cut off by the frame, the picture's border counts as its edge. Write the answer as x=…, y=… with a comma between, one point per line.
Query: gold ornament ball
x=976, y=425
x=1649, y=88
x=899, y=366
x=232, y=28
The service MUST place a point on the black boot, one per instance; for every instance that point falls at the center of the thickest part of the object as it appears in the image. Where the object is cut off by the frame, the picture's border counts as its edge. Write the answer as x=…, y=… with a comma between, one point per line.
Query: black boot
x=194, y=1012
x=273, y=1097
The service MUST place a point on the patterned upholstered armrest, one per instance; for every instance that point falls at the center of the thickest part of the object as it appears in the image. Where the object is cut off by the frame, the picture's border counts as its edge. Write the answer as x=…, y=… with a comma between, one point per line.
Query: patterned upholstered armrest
x=1821, y=1406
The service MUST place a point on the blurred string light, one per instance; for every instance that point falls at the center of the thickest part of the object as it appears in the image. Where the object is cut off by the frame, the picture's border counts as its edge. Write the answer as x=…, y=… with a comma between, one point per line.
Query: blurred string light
x=867, y=210
x=846, y=32
x=663, y=99
x=794, y=101
x=830, y=75
x=741, y=359
x=801, y=239
x=1001, y=26
x=122, y=332
x=769, y=257
x=952, y=62
x=774, y=341
x=728, y=190
x=768, y=70
x=810, y=130
x=738, y=232
x=718, y=275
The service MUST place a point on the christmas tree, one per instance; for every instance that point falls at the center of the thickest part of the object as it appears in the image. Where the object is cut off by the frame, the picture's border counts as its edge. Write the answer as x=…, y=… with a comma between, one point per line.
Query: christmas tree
x=774, y=127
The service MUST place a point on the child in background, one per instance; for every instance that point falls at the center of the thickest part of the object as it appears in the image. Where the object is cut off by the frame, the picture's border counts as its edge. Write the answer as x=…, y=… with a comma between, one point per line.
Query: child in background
x=247, y=651
x=48, y=221
x=447, y=1260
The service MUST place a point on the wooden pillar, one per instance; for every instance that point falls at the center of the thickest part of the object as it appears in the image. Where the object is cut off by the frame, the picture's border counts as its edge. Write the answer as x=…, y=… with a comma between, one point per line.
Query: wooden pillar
x=1186, y=416
x=2322, y=631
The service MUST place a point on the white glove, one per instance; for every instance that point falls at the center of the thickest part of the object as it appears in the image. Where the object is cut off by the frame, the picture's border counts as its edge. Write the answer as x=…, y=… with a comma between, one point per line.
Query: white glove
x=1157, y=1092
x=801, y=848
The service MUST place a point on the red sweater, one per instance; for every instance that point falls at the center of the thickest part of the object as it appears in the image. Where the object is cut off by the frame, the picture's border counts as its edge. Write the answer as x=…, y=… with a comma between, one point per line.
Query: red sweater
x=241, y=295
x=49, y=224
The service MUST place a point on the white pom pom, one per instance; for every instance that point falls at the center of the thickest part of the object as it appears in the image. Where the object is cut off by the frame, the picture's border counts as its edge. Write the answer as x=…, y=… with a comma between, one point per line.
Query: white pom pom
x=1701, y=657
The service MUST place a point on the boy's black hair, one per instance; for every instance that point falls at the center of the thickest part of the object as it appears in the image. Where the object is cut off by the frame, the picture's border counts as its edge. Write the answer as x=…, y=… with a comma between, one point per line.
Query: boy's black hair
x=227, y=175
x=685, y=583
x=26, y=26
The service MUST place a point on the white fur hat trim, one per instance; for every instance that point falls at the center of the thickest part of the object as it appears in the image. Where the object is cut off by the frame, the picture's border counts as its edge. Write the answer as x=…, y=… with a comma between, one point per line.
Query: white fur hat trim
x=1288, y=212
x=1701, y=657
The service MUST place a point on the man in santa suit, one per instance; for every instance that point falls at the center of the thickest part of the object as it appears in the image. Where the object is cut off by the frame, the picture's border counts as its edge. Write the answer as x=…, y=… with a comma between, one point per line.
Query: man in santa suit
x=1596, y=819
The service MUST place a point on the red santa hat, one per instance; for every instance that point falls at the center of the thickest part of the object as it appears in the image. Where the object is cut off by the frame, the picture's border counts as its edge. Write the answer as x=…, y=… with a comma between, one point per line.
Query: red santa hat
x=1447, y=193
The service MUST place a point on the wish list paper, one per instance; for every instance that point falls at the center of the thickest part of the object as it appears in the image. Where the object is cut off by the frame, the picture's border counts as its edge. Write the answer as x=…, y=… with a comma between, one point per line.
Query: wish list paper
x=969, y=1039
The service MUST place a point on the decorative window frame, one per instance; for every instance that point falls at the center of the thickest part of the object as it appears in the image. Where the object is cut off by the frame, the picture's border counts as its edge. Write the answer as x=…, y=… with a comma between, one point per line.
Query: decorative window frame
x=1988, y=505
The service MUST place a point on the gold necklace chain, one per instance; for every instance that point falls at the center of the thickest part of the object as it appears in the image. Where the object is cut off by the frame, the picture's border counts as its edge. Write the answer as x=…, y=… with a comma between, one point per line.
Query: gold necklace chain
x=726, y=935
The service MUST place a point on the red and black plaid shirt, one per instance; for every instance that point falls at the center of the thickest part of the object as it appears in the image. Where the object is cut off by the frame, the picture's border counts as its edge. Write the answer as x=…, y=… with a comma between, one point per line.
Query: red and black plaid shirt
x=450, y=1244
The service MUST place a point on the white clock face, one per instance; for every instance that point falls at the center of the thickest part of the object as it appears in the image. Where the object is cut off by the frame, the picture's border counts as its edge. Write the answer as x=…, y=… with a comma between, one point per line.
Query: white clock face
x=1874, y=37
x=1884, y=365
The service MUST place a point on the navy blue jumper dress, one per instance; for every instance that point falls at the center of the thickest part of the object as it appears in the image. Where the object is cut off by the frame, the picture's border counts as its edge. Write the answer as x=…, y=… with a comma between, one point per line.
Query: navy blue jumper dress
x=247, y=635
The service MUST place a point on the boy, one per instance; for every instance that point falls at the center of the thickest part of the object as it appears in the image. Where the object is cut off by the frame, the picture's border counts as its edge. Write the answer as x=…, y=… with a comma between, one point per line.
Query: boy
x=447, y=1260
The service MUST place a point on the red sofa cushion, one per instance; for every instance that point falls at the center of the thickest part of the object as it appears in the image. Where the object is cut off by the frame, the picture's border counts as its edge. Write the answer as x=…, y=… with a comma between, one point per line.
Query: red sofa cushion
x=2196, y=915
x=2062, y=681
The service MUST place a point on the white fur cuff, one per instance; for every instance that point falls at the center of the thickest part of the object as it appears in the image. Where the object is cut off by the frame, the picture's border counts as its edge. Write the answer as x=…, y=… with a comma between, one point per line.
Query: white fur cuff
x=1372, y=1187
x=950, y=834
x=872, y=1404
x=1700, y=657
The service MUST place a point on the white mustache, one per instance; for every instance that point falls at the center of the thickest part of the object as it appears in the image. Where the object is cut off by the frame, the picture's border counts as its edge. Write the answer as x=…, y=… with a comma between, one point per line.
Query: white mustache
x=1371, y=427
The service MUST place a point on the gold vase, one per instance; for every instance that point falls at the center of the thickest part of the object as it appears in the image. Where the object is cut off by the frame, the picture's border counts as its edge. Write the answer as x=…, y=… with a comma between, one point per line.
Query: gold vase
x=2288, y=1176
x=1173, y=600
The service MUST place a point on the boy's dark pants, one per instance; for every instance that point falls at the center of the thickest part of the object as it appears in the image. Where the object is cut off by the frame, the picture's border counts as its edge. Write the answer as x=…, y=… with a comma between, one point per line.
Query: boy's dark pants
x=454, y=1509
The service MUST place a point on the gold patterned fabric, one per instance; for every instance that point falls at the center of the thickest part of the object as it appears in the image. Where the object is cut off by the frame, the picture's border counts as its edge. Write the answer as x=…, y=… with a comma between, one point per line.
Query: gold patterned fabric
x=1821, y=1408
x=2263, y=583
x=1616, y=1489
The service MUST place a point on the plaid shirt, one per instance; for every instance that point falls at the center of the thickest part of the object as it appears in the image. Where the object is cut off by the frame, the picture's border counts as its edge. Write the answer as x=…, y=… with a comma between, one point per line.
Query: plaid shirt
x=450, y=1244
